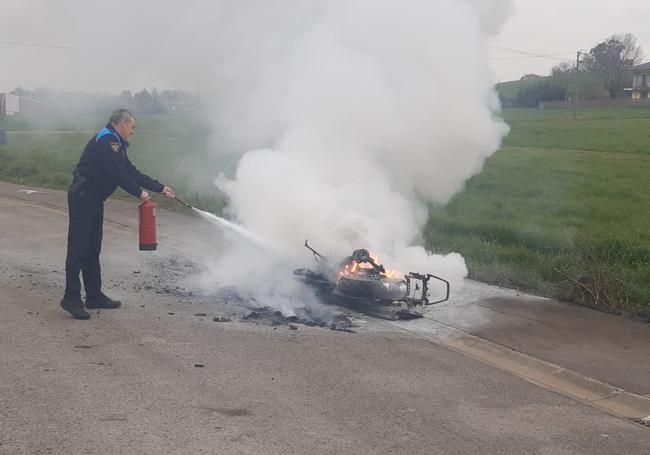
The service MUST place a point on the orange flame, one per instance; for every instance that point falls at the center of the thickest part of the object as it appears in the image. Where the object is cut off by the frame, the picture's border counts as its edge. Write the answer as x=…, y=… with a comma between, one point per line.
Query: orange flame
x=356, y=268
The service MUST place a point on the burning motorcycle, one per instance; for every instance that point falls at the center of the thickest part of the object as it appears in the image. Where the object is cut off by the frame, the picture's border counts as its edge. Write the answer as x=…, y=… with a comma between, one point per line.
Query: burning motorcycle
x=360, y=283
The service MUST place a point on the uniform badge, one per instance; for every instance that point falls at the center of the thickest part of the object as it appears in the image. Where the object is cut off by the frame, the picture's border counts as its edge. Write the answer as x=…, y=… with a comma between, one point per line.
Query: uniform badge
x=115, y=146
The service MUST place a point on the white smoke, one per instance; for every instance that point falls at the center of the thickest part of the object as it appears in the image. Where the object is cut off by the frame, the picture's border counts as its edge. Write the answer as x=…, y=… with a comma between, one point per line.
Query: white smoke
x=350, y=114
x=363, y=110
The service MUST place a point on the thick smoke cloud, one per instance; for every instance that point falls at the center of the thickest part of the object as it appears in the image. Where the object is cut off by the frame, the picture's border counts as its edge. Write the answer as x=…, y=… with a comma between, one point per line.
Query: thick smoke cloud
x=349, y=116
x=363, y=111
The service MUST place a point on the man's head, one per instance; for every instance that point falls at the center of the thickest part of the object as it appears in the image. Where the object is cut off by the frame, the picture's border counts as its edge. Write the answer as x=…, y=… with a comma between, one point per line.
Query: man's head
x=123, y=122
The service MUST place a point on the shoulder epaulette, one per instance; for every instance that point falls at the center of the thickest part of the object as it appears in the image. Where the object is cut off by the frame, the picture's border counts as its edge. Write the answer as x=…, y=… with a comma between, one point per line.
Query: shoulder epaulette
x=107, y=132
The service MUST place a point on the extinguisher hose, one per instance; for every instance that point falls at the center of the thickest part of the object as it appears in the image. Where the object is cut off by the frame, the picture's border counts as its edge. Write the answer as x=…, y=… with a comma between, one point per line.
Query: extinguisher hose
x=184, y=203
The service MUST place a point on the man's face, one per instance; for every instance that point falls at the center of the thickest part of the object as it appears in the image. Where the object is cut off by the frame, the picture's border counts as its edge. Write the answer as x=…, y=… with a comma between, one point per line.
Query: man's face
x=126, y=128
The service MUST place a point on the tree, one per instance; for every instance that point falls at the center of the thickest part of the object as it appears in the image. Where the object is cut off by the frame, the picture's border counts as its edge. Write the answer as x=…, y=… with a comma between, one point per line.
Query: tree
x=563, y=69
x=144, y=102
x=545, y=90
x=613, y=57
x=591, y=84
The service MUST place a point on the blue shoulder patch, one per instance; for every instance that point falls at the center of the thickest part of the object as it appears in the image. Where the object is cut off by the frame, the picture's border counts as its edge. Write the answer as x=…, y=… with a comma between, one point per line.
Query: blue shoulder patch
x=106, y=132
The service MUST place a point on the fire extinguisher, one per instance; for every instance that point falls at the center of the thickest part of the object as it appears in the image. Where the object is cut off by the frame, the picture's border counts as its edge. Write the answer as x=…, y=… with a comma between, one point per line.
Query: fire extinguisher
x=147, y=211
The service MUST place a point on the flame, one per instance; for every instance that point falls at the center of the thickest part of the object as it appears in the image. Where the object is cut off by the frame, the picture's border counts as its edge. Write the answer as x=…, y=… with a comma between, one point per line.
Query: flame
x=356, y=268
x=394, y=274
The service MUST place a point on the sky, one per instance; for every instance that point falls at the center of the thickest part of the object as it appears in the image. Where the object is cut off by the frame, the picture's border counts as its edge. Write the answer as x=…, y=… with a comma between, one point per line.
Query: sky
x=563, y=27
x=557, y=27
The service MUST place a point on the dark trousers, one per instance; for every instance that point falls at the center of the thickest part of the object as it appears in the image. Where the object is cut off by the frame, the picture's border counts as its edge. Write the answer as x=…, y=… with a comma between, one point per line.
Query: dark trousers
x=85, y=232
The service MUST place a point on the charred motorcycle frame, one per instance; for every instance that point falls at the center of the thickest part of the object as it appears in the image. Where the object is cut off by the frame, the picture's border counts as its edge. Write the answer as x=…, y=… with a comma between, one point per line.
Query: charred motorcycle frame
x=360, y=283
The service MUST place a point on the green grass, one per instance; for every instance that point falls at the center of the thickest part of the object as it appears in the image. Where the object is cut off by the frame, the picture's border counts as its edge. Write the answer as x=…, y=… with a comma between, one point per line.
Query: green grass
x=549, y=217
x=603, y=130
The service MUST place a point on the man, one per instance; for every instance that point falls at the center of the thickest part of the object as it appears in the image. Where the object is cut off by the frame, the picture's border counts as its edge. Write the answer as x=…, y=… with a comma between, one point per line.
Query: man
x=103, y=166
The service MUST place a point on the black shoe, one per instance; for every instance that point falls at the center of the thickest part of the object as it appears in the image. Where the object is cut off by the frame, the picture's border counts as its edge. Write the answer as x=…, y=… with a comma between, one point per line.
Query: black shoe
x=102, y=302
x=75, y=307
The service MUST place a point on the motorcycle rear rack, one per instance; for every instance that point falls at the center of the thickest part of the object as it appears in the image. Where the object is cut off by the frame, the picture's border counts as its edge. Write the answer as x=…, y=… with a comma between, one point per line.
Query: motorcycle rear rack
x=419, y=282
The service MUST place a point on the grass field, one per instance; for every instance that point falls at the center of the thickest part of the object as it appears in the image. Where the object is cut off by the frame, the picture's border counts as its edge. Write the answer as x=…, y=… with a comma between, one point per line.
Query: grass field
x=561, y=210
x=603, y=130
x=173, y=148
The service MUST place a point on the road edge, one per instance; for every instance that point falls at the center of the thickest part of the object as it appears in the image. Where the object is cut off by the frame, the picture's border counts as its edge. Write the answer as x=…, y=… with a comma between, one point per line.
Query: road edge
x=566, y=382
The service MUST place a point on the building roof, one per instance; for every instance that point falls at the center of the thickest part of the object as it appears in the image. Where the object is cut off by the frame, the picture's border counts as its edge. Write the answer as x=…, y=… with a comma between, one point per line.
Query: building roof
x=642, y=67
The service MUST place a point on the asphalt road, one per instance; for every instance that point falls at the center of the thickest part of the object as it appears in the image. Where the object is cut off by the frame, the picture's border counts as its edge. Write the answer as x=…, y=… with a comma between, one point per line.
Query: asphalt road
x=156, y=376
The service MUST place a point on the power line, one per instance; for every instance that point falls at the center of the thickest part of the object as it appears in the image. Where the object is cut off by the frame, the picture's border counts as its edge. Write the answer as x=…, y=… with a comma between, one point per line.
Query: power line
x=535, y=54
x=51, y=46
x=513, y=58
x=523, y=57
x=527, y=54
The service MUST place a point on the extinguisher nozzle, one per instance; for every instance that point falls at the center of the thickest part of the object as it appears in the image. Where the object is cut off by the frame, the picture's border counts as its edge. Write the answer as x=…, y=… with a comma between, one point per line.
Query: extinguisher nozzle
x=184, y=203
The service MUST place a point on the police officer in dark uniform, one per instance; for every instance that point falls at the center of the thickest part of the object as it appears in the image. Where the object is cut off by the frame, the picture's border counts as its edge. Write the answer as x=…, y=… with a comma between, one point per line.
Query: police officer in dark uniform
x=103, y=166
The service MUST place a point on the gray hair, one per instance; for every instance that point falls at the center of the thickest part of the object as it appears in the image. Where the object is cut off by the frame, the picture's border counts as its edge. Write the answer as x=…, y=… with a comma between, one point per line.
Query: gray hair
x=121, y=115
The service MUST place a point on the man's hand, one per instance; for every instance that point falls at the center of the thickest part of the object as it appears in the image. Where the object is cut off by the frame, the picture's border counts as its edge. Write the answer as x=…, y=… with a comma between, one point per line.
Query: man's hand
x=168, y=193
x=144, y=196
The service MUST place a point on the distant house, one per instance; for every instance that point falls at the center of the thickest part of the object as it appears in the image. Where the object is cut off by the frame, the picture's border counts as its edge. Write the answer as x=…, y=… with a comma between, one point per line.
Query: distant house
x=12, y=104
x=9, y=104
x=640, y=82
x=530, y=76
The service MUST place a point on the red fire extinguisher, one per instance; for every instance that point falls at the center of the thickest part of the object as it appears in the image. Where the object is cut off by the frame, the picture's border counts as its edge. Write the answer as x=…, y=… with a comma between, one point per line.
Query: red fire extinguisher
x=148, y=241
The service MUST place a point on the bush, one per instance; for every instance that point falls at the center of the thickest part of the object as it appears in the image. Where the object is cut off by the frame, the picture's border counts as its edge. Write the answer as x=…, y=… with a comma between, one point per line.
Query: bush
x=531, y=95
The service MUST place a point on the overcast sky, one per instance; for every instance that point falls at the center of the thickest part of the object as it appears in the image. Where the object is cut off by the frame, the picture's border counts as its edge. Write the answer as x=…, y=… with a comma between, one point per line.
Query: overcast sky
x=558, y=27
x=564, y=27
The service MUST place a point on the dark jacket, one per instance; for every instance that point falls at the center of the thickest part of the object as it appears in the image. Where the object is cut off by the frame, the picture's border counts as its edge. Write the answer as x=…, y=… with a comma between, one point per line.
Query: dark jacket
x=104, y=165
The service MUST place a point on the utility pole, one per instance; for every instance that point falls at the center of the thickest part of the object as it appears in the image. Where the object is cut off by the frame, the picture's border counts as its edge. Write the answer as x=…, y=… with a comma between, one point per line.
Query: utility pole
x=575, y=97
